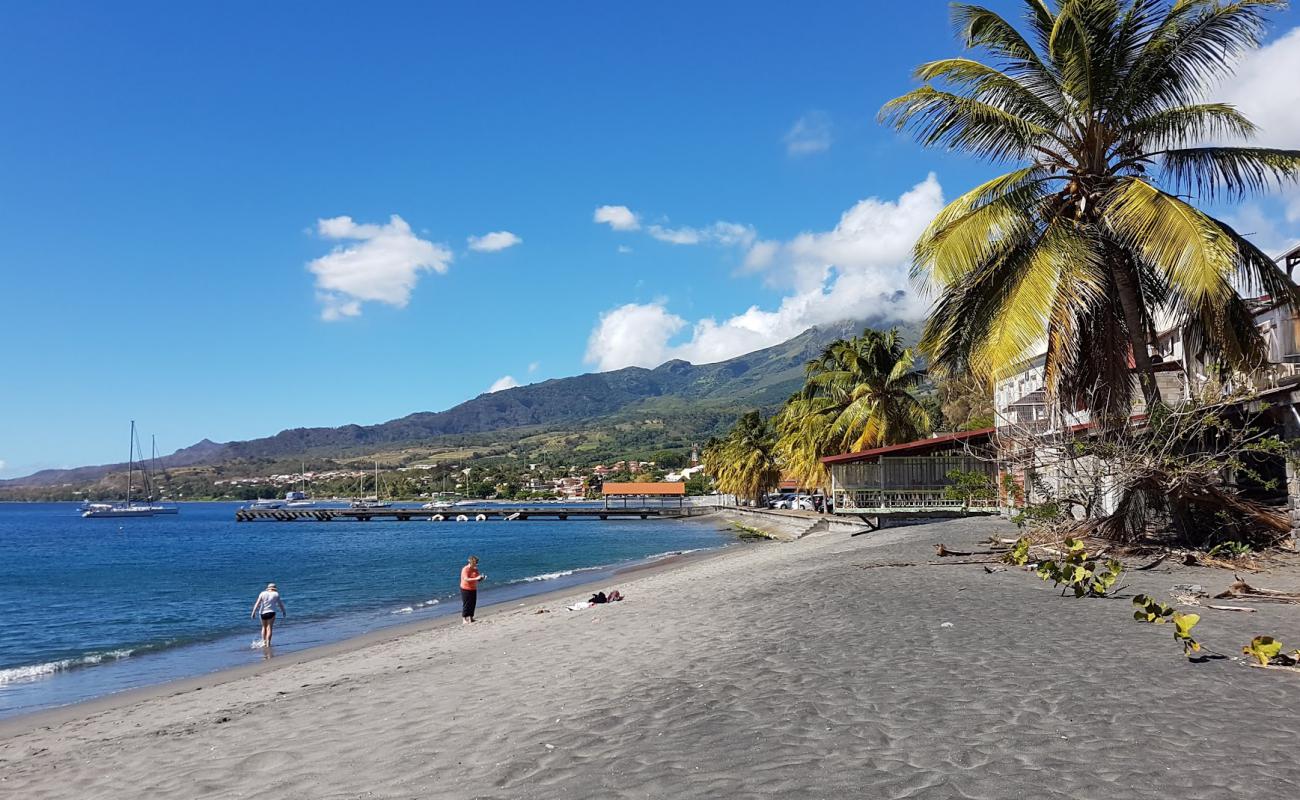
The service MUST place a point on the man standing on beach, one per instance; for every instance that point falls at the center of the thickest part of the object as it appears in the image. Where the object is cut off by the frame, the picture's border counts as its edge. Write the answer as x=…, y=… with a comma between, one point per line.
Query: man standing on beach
x=469, y=578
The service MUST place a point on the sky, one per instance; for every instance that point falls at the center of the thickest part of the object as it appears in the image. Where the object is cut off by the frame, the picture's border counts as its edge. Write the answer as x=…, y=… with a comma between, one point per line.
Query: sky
x=227, y=220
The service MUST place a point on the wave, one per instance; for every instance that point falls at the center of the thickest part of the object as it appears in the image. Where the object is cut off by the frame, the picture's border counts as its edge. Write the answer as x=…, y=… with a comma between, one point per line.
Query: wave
x=671, y=553
x=34, y=672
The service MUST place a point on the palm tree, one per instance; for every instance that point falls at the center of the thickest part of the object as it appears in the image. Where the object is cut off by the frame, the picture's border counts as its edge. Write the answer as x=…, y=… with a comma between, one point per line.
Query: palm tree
x=1093, y=236
x=745, y=463
x=858, y=394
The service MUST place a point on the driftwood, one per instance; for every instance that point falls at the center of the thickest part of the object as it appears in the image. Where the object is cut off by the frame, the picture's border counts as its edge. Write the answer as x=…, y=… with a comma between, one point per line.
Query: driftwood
x=930, y=563
x=1273, y=666
x=1232, y=608
x=1152, y=564
x=1240, y=590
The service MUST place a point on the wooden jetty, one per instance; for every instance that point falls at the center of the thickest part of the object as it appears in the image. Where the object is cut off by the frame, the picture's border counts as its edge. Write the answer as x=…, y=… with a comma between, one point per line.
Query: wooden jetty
x=460, y=513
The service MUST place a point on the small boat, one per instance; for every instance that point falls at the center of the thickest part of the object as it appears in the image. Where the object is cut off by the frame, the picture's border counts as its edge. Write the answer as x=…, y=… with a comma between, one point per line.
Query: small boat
x=438, y=505
x=266, y=503
x=370, y=502
x=130, y=508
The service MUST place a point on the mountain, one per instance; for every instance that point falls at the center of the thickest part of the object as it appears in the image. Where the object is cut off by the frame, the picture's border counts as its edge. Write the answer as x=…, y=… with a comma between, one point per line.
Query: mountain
x=761, y=379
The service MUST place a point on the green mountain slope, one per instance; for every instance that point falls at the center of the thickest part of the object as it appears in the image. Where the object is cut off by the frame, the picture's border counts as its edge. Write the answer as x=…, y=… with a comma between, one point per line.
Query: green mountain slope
x=686, y=401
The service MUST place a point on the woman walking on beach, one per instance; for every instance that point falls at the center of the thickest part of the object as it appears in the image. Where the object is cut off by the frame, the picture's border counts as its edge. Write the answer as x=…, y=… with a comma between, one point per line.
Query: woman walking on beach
x=469, y=578
x=265, y=605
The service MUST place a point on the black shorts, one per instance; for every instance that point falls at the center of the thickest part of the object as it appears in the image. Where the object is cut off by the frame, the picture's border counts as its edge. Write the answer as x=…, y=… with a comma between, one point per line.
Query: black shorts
x=267, y=616
x=468, y=599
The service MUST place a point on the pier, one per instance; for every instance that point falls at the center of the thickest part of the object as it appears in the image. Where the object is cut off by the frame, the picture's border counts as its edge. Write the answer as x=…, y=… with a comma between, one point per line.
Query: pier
x=463, y=513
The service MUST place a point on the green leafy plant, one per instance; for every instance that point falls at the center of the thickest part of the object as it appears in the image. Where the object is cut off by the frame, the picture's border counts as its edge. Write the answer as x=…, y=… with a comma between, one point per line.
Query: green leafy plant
x=1018, y=555
x=1079, y=572
x=1231, y=549
x=1263, y=649
x=1183, y=624
x=1149, y=610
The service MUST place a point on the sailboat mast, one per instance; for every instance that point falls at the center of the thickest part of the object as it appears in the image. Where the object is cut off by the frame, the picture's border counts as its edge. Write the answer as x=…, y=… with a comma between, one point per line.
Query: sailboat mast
x=130, y=464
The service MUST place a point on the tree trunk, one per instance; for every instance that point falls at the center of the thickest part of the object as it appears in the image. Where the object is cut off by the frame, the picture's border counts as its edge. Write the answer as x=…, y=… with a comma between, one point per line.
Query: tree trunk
x=1128, y=299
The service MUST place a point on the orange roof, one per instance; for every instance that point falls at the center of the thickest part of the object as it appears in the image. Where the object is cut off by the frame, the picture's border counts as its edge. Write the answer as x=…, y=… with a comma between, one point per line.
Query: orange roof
x=645, y=488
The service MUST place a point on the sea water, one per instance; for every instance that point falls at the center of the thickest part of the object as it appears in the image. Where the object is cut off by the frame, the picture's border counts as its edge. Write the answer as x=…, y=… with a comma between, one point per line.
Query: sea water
x=95, y=606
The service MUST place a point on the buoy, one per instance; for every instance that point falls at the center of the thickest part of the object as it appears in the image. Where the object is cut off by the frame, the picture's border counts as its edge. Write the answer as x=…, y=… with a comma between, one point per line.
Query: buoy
x=436, y=518
x=461, y=518
x=480, y=517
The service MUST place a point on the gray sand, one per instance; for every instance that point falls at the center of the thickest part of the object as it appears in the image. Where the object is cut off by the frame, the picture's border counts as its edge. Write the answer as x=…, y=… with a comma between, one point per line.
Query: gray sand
x=780, y=669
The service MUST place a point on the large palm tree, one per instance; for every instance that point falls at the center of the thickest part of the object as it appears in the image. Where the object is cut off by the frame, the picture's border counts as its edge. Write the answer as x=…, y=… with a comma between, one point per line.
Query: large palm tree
x=1094, y=236
x=858, y=394
x=744, y=463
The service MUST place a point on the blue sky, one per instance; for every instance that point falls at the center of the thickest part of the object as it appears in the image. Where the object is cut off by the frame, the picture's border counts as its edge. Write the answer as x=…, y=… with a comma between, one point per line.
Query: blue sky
x=197, y=205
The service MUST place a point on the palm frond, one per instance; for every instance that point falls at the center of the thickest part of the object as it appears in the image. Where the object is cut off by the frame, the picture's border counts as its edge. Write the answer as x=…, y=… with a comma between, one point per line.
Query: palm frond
x=935, y=118
x=1229, y=173
x=1193, y=251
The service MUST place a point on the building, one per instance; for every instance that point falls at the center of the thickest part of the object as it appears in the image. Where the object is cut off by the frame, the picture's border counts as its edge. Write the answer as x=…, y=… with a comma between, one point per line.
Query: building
x=915, y=478
x=644, y=495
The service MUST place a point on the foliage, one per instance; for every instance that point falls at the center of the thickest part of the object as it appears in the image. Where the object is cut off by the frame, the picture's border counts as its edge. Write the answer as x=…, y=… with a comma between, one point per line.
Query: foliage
x=1099, y=105
x=965, y=403
x=1231, y=549
x=970, y=486
x=1183, y=624
x=1079, y=572
x=1149, y=610
x=1018, y=555
x=1263, y=649
x=744, y=463
x=858, y=393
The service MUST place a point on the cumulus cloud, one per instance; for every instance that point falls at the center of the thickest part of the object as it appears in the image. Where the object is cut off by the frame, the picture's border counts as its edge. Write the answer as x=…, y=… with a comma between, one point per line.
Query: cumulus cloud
x=857, y=270
x=721, y=233
x=378, y=263
x=1258, y=89
x=636, y=334
x=492, y=242
x=504, y=382
x=810, y=134
x=620, y=218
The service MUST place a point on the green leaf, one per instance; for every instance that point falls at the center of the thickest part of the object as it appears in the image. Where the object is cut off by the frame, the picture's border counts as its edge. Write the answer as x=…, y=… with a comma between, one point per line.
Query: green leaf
x=1263, y=649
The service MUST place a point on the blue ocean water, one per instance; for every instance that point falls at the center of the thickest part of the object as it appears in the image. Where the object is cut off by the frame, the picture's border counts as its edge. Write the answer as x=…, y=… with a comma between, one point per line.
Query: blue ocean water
x=94, y=606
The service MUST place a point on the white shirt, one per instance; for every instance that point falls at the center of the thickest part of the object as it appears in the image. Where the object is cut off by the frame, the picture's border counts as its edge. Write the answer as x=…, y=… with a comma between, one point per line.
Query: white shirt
x=267, y=601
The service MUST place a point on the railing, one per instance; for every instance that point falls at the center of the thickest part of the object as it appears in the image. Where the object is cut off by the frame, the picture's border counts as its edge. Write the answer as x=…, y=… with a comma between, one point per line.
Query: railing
x=919, y=499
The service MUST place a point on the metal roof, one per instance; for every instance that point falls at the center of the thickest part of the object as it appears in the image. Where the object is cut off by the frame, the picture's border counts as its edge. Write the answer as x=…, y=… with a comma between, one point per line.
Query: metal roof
x=918, y=445
x=673, y=489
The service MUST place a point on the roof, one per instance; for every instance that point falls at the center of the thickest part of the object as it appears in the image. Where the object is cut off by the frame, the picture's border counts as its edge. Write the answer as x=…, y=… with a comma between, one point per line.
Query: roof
x=673, y=489
x=918, y=446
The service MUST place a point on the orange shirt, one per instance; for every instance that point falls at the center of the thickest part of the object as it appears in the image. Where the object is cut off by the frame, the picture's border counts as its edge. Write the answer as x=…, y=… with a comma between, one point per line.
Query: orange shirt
x=467, y=577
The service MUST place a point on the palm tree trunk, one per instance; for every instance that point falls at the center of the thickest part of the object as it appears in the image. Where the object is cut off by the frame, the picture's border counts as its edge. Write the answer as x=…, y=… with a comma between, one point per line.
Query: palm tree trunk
x=1129, y=302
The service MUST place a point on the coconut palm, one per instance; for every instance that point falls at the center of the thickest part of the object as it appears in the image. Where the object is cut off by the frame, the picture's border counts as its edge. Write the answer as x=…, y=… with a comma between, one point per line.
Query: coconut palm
x=1093, y=237
x=858, y=394
x=744, y=463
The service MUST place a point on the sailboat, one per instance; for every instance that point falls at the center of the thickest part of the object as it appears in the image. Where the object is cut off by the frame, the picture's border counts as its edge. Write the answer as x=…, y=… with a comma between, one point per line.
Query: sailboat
x=130, y=508
x=371, y=502
x=299, y=498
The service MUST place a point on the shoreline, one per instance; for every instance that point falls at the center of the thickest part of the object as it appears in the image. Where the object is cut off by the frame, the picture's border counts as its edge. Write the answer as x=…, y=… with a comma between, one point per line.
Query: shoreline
x=48, y=717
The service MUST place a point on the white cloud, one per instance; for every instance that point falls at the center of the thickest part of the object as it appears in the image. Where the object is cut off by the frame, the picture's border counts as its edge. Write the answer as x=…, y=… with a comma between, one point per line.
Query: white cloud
x=3, y=464
x=532, y=367
x=810, y=134
x=857, y=270
x=620, y=218
x=624, y=249
x=504, y=382
x=634, y=334
x=492, y=242
x=1259, y=89
x=727, y=234
x=381, y=263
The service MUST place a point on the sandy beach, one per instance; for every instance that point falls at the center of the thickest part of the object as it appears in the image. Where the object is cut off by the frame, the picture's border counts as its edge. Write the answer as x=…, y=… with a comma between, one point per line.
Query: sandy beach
x=773, y=669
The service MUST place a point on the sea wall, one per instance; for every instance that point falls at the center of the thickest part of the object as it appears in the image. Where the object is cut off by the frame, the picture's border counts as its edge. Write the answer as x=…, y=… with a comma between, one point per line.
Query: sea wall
x=788, y=525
